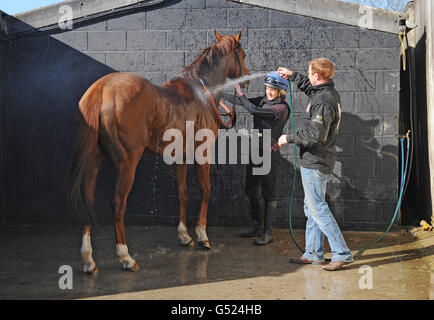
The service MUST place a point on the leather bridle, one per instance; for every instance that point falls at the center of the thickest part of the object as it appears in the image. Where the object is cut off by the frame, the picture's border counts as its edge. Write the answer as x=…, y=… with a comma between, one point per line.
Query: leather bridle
x=212, y=101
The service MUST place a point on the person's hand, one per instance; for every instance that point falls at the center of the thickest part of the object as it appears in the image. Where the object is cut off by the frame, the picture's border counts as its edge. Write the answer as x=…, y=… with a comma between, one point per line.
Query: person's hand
x=238, y=89
x=282, y=140
x=285, y=73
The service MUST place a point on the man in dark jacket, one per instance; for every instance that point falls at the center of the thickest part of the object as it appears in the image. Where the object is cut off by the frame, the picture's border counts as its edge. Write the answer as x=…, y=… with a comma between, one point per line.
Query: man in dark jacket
x=316, y=137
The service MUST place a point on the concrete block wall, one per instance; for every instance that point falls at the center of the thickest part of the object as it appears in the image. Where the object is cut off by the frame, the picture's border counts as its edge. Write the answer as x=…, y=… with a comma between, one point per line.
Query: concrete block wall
x=46, y=75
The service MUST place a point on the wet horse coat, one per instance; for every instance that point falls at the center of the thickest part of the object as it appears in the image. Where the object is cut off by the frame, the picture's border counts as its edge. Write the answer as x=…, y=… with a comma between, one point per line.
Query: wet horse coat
x=123, y=115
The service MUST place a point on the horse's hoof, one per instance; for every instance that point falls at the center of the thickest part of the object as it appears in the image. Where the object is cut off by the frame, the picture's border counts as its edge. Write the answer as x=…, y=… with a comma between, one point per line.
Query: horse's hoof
x=205, y=244
x=88, y=269
x=92, y=272
x=189, y=244
x=135, y=267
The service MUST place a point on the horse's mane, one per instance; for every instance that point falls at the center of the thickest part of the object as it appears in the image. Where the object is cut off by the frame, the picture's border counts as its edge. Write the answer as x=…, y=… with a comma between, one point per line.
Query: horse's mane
x=209, y=57
x=178, y=87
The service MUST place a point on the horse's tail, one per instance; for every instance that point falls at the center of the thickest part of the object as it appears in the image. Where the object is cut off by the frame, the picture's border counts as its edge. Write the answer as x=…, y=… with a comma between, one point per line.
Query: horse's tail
x=86, y=156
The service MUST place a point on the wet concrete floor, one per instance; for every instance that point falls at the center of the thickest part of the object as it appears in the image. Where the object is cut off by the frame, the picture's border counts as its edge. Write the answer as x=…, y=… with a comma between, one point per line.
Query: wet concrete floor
x=401, y=266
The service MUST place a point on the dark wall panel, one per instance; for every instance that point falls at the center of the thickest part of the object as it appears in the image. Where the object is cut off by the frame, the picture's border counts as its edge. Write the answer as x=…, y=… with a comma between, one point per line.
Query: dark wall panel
x=45, y=76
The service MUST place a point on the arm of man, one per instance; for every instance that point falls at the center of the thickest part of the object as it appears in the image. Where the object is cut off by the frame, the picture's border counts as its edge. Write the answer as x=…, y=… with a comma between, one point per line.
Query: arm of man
x=318, y=128
x=302, y=82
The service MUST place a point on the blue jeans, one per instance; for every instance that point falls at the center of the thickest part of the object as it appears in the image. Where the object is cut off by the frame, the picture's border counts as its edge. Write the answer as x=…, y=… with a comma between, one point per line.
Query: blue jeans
x=320, y=220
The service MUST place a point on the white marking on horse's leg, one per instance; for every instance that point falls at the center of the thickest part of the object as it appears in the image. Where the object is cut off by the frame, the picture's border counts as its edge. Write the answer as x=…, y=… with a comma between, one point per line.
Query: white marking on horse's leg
x=183, y=235
x=201, y=233
x=127, y=262
x=89, y=265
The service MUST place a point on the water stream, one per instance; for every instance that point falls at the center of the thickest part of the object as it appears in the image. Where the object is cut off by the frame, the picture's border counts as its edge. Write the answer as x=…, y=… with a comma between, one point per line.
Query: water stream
x=229, y=84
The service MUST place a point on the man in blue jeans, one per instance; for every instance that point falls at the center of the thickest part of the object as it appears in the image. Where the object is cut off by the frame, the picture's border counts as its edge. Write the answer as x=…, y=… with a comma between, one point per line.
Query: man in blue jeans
x=316, y=136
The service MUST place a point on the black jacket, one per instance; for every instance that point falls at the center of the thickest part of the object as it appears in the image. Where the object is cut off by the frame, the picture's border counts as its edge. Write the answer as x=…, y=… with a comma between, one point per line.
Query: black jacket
x=267, y=114
x=317, y=135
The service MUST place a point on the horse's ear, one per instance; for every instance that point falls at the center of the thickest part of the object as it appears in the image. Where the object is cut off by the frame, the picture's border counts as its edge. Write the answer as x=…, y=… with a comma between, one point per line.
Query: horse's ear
x=238, y=36
x=217, y=35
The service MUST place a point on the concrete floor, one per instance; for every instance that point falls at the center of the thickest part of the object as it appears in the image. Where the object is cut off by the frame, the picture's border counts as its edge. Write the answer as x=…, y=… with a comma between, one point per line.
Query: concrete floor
x=402, y=266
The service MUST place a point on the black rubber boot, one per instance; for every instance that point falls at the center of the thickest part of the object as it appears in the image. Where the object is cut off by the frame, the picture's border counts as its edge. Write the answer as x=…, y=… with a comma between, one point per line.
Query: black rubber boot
x=257, y=214
x=267, y=236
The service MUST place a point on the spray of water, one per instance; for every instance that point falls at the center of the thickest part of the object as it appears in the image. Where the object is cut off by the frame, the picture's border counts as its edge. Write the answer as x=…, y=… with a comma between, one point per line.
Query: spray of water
x=231, y=82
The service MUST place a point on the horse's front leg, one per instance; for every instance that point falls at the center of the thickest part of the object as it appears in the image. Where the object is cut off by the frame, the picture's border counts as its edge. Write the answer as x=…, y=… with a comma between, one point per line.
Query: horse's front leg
x=202, y=172
x=181, y=181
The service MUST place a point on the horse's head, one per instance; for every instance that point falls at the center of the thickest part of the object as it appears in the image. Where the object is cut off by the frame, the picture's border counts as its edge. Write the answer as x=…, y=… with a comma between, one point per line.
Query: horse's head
x=235, y=65
x=221, y=60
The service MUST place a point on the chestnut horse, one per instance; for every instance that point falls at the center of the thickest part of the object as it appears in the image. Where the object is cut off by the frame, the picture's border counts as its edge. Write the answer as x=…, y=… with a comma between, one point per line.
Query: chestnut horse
x=123, y=115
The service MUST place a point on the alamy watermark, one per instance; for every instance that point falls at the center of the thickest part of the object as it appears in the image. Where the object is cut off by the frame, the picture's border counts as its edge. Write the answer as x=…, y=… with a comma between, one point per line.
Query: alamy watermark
x=366, y=281
x=199, y=147
x=66, y=280
x=366, y=20
x=66, y=20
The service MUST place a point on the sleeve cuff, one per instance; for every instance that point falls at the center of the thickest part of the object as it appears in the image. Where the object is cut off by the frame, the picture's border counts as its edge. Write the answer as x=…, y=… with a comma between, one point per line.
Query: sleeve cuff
x=294, y=75
x=290, y=138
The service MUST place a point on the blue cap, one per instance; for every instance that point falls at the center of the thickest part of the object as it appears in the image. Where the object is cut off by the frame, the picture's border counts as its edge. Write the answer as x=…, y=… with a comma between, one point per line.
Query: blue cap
x=274, y=80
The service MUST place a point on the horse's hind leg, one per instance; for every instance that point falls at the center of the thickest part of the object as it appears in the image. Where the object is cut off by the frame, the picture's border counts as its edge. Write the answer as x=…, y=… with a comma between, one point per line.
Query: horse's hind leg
x=89, y=265
x=202, y=173
x=126, y=173
x=181, y=181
